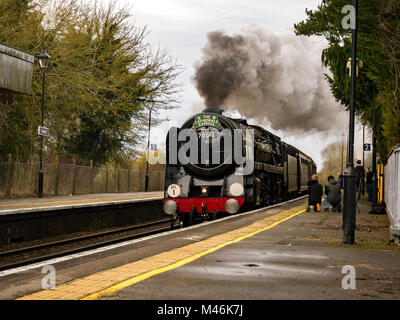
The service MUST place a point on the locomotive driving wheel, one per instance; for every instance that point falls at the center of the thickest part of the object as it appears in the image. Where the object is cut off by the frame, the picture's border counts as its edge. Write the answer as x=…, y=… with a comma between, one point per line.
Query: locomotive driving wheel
x=187, y=220
x=204, y=213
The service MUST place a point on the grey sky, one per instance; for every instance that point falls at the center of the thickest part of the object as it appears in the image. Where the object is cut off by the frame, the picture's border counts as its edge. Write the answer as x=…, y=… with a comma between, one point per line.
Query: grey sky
x=181, y=26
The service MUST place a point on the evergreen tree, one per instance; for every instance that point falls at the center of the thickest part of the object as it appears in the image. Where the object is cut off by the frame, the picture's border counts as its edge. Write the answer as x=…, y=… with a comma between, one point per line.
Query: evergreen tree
x=377, y=94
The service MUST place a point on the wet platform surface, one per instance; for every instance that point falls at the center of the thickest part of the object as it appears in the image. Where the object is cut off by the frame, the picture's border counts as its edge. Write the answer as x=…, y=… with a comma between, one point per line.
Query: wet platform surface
x=276, y=253
x=289, y=261
x=299, y=259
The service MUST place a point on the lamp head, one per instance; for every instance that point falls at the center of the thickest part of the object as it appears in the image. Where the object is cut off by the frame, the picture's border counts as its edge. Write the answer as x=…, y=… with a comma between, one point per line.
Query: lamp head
x=44, y=60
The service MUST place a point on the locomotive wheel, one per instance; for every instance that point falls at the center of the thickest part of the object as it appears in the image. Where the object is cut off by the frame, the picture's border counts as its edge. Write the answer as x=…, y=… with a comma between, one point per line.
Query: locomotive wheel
x=188, y=218
x=173, y=221
x=181, y=220
x=204, y=213
x=191, y=216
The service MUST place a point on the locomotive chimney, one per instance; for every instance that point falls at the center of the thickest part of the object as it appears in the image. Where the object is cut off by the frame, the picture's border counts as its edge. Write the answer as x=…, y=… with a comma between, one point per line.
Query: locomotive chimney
x=214, y=109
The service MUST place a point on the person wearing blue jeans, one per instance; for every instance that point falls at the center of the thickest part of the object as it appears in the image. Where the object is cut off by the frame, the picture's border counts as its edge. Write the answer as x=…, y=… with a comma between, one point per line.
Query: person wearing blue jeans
x=326, y=202
x=334, y=208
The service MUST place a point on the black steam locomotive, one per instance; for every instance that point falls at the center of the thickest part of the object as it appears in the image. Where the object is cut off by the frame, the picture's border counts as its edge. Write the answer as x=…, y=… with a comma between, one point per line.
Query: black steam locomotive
x=217, y=164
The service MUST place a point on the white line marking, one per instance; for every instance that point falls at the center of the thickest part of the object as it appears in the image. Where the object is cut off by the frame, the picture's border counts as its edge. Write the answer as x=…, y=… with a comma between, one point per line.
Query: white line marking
x=125, y=243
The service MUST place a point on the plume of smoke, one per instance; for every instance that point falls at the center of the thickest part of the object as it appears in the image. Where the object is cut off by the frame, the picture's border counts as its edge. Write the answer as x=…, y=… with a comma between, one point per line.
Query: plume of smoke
x=219, y=74
x=273, y=78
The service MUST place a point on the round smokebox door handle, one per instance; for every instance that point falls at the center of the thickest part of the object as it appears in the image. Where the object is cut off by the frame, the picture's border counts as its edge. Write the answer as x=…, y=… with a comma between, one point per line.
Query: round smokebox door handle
x=174, y=191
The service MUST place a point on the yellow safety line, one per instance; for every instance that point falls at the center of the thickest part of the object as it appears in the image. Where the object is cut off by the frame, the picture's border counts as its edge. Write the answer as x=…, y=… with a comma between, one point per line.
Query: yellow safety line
x=44, y=203
x=180, y=263
x=109, y=281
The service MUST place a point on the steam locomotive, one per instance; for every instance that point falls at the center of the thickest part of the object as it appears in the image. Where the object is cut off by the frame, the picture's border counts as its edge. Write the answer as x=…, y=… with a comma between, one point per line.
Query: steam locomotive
x=217, y=164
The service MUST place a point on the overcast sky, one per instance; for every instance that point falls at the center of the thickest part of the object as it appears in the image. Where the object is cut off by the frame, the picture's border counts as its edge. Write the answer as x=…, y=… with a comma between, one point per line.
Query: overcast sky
x=181, y=27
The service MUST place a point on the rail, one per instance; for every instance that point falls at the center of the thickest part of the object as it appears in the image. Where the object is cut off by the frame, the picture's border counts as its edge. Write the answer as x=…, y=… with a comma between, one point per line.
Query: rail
x=38, y=257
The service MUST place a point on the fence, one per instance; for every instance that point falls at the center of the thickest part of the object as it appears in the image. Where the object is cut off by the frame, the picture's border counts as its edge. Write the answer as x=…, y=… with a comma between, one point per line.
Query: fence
x=20, y=179
x=392, y=193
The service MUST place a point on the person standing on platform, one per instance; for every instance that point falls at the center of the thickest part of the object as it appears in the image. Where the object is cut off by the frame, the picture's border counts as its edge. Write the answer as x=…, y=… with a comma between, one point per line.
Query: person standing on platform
x=360, y=179
x=314, y=194
x=369, y=183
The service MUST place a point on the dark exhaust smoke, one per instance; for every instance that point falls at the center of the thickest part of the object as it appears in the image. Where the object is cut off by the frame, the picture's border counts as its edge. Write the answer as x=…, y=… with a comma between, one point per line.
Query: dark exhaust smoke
x=217, y=75
x=273, y=78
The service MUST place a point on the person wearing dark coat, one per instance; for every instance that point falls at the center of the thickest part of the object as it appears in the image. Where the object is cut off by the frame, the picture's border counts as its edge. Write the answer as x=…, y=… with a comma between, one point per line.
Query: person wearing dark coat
x=314, y=194
x=360, y=177
x=370, y=175
x=333, y=194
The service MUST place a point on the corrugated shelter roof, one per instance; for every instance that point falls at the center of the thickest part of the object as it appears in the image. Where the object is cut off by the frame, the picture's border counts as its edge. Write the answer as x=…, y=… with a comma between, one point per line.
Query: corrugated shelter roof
x=16, y=69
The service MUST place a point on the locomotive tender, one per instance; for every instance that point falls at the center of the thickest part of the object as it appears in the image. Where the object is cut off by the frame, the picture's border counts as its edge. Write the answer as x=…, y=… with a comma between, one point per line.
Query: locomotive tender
x=208, y=177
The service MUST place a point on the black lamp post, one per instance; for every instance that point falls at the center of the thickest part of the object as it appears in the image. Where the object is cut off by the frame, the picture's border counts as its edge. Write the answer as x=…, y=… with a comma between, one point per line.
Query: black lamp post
x=44, y=61
x=376, y=208
x=374, y=177
x=349, y=210
x=341, y=168
x=146, y=182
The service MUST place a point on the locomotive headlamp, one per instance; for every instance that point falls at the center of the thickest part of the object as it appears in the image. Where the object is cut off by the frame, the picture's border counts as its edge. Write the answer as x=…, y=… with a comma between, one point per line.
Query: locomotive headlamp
x=204, y=191
x=170, y=207
x=236, y=189
x=232, y=206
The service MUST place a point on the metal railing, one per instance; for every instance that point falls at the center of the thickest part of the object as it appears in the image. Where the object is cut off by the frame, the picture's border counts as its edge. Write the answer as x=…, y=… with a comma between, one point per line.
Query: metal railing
x=392, y=193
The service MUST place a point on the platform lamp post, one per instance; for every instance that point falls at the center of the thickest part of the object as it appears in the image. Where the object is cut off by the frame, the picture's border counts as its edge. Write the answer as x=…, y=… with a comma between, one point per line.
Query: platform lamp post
x=349, y=210
x=342, y=137
x=376, y=208
x=374, y=177
x=44, y=62
x=146, y=181
x=363, y=160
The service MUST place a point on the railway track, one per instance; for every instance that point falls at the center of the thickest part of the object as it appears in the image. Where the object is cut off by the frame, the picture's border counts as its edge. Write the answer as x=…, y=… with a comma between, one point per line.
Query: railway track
x=50, y=250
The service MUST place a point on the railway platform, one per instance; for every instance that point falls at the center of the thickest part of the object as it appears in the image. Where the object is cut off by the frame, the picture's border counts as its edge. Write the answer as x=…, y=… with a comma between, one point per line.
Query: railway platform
x=281, y=252
x=29, y=222
x=22, y=205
